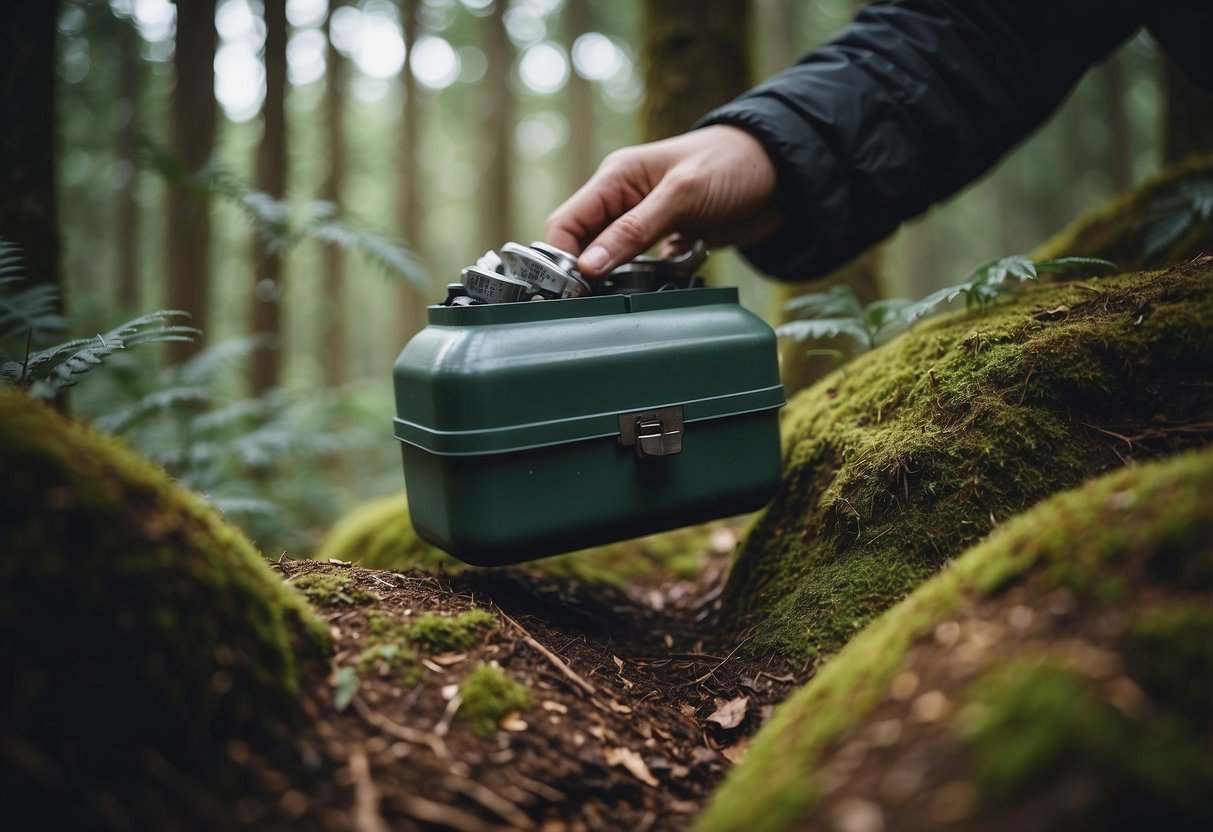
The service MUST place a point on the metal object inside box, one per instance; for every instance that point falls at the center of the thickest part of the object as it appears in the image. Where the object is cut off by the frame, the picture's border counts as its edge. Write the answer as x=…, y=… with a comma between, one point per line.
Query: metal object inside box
x=610, y=410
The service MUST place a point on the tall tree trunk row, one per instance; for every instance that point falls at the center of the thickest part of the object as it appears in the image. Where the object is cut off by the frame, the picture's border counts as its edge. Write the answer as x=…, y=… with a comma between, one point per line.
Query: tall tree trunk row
x=334, y=343
x=497, y=144
x=126, y=207
x=28, y=207
x=192, y=141
x=265, y=369
x=410, y=301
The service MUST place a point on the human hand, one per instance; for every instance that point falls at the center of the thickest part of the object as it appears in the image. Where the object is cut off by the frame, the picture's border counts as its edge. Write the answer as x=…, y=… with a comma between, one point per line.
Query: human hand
x=716, y=184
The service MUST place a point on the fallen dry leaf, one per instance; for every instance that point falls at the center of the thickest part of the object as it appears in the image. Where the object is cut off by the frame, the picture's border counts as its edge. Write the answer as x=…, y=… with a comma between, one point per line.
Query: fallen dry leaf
x=731, y=713
x=736, y=753
x=512, y=722
x=554, y=707
x=448, y=659
x=619, y=708
x=631, y=761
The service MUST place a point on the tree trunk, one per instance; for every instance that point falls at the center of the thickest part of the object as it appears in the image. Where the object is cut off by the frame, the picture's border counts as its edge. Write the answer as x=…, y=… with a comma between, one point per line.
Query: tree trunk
x=497, y=147
x=126, y=208
x=696, y=57
x=265, y=370
x=777, y=25
x=191, y=140
x=410, y=301
x=1187, y=115
x=28, y=208
x=582, y=156
x=1120, y=147
x=334, y=342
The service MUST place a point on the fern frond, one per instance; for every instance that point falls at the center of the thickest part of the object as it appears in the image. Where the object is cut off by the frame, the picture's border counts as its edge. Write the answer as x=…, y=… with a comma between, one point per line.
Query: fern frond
x=818, y=328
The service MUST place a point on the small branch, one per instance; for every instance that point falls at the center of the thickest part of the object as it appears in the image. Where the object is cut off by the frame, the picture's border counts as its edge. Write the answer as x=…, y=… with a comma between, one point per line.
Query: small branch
x=400, y=732
x=427, y=811
x=492, y=801
x=712, y=672
x=555, y=660
x=366, y=798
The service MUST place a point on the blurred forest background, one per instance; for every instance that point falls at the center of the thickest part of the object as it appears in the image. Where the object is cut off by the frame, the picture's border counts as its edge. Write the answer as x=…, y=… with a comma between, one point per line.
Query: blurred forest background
x=255, y=162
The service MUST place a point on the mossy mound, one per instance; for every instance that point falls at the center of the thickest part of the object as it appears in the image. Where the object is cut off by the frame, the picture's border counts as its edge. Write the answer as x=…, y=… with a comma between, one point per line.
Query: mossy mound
x=1134, y=228
x=379, y=535
x=916, y=450
x=142, y=635
x=1058, y=675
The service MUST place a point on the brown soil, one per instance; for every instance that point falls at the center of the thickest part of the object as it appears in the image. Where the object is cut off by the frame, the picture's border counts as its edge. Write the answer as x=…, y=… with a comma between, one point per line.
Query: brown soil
x=617, y=737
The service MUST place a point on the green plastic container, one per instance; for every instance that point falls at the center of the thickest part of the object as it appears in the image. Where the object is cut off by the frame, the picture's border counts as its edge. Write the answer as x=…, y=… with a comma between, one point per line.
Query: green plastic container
x=530, y=429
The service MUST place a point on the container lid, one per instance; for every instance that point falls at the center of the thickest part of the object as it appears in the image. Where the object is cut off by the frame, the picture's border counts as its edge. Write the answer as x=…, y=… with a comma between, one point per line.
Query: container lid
x=511, y=377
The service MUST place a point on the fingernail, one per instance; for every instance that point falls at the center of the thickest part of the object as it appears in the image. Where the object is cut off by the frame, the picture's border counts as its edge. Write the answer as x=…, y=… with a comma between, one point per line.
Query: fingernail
x=596, y=259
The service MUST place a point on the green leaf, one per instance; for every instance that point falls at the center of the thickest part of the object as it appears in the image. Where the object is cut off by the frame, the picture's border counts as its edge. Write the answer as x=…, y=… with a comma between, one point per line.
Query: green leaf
x=817, y=329
x=1067, y=265
x=345, y=687
x=836, y=302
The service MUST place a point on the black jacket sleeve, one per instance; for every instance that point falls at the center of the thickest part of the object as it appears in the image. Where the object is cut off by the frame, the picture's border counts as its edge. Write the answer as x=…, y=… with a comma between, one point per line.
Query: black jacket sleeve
x=909, y=103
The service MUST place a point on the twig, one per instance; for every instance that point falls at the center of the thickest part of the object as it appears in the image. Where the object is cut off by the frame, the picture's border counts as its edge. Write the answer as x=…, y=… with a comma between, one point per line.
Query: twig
x=400, y=732
x=712, y=672
x=443, y=726
x=366, y=798
x=492, y=801
x=555, y=660
x=427, y=811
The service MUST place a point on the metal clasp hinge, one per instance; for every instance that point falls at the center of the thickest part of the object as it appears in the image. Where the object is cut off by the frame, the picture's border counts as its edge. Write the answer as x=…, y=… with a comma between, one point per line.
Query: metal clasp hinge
x=652, y=432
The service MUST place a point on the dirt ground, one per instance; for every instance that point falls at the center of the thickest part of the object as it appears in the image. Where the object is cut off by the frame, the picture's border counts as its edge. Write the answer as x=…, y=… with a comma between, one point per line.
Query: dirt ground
x=639, y=704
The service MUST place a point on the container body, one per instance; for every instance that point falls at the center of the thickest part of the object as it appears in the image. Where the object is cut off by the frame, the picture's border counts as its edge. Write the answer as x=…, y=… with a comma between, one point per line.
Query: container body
x=536, y=428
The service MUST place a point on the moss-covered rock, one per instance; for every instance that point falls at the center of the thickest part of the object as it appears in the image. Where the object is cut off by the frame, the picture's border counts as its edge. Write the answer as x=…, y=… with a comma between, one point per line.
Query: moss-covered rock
x=380, y=535
x=1125, y=230
x=488, y=695
x=1013, y=690
x=142, y=634
x=918, y=449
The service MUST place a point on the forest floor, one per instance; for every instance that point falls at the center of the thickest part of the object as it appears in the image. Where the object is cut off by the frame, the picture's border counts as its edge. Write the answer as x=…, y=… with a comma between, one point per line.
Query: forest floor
x=636, y=703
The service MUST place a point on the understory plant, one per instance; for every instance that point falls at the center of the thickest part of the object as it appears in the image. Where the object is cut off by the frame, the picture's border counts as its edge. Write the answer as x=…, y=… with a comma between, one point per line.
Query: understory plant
x=838, y=311
x=30, y=324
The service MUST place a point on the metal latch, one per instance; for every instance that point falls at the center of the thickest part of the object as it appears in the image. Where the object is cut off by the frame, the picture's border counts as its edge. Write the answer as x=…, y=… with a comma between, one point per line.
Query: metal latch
x=652, y=432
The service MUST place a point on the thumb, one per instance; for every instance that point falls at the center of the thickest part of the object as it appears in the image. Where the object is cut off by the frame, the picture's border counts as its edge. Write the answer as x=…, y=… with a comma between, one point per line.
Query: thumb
x=633, y=232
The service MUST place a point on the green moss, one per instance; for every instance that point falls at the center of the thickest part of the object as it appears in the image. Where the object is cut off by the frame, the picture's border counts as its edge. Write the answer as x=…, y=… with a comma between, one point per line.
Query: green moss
x=379, y=535
x=1117, y=231
x=487, y=696
x=139, y=625
x=1170, y=652
x=1164, y=512
x=921, y=447
x=438, y=634
x=397, y=642
x=328, y=590
x=1041, y=723
x=390, y=660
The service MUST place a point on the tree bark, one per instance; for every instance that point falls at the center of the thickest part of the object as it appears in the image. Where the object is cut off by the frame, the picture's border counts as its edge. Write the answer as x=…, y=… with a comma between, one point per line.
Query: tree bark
x=126, y=208
x=191, y=140
x=777, y=24
x=1187, y=115
x=265, y=369
x=410, y=301
x=334, y=342
x=28, y=208
x=582, y=156
x=497, y=148
x=1120, y=146
x=696, y=57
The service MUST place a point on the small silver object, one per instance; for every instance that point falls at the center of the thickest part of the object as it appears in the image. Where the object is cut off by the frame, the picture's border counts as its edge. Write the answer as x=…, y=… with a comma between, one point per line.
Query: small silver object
x=490, y=287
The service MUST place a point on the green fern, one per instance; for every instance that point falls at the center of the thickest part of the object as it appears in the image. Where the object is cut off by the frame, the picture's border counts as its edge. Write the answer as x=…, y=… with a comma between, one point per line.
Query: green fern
x=838, y=311
x=28, y=318
x=1172, y=216
x=281, y=226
